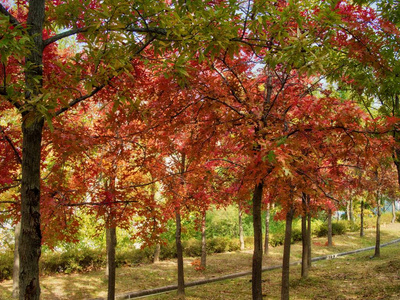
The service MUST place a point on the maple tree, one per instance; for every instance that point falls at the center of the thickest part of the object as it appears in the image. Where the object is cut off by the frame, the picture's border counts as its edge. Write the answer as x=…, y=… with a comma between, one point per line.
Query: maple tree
x=258, y=122
x=54, y=83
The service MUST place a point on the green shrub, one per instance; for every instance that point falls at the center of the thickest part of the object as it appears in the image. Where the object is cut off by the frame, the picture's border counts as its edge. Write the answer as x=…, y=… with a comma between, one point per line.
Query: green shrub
x=315, y=225
x=352, y=226
x=277, y=239
x=369, y=222
x=386, y=218
x=337, y=229
x=134, y=256
x=218, y=245
x=75, y=260
x=6, y=265
x=398, y=216
x=192, y=247
x=168, y=250
x=296, y=235
x=222, y=222
x=249, y=242
x=234, y=245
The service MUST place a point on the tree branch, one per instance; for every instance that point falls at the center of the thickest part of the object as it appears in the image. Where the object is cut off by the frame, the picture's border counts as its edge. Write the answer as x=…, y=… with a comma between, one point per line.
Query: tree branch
x=79, y=100
x=8, y=202
x=154, y=30
x=98, y=203
x=5, y=12
x=62, y=35
x=98, y=88
x=12, y=146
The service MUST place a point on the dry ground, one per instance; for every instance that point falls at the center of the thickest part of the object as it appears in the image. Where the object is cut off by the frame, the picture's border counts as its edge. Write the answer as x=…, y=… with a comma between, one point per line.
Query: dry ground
x=350, y=277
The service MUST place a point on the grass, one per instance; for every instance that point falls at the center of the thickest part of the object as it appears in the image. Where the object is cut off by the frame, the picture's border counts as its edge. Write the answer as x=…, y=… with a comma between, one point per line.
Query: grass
x=350, y=277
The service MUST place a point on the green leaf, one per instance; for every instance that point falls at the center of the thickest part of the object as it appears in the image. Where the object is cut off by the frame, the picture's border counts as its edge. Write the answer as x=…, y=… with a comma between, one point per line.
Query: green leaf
x=271, y=156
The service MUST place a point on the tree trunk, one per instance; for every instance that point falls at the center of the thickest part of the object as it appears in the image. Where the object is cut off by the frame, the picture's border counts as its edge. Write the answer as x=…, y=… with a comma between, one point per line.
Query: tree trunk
x=157, y=251
x=31, y=236
x=304, y=238
x=257, y=253
x=32, y=127
x=267, y=217
x=309, y=235
x=329, y=228
x=111, y=239
x=241, y=235
x=17, y=234
x=286, y=255
x=348, y=210
x=351, y=210
x=362, y=219
x=378, y=228
x=203, y=261
x=179, y=253
x=393, y=211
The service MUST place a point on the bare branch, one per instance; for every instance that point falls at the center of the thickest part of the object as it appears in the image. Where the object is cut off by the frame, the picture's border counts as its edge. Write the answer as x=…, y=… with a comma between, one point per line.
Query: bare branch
x=9, y=141
x=154, y=30
x=326, y=194
x=62, y=35
x=7, y=187
x=228, y=161
x=98, y=203
x=80, y=99
x=6, y=211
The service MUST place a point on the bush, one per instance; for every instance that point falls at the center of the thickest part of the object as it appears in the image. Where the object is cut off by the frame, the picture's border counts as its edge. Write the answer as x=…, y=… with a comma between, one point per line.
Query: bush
x=75, y=260
x=397, y=216
x=168, y=250
x=134, y=256
x=315, y=226
x=6, y=265
x=248, y=242
x=218, y=245
x=192, y=248
x=337, y=229
x=277, y=239
x=222, y=222
x=352, y=226
x=296, y=235
x=234, y=245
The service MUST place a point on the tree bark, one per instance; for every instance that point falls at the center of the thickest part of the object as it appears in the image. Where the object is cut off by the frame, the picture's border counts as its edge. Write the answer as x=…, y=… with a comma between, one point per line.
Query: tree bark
x=203, y=261
x=309, y=235
x=378, y=228
x=393, y=211
x=31, y=236
x=32, y=127
x=111, y=239
x=304, y=235
x=329, y=228
x=257, y=253
x=17, y=234
x=179, y=253
x=157, y=251
x=362, y=218
x=348, y=210
x=286, y=255
x=267, y=217
x=351, y=210
x=241, y=235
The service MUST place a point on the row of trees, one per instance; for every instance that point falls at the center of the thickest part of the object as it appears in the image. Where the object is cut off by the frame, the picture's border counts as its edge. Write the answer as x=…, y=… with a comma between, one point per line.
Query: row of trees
x=158, y=108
